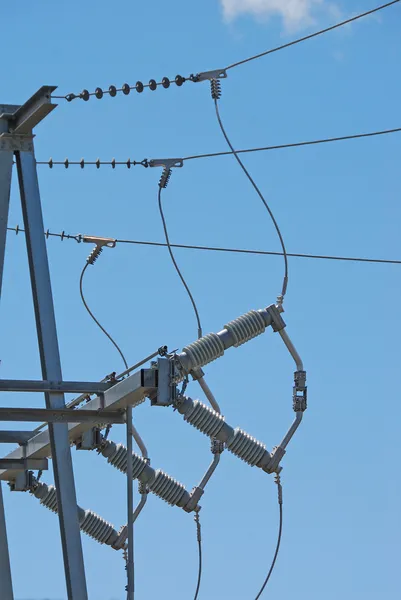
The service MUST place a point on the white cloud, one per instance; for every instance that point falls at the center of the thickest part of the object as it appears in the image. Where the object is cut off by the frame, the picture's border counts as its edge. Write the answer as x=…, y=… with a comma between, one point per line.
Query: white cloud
x=295, y=13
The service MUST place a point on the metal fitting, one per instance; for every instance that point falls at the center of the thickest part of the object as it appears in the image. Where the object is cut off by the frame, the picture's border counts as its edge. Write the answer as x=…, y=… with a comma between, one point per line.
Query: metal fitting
x=207, y=75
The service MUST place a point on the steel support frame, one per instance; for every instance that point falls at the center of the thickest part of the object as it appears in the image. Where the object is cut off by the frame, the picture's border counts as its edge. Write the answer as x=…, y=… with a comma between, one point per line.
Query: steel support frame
x=15, y=122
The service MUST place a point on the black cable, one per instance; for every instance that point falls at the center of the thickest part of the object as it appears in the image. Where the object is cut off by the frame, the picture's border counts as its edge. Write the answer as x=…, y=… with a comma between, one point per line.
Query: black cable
x=143, y=163
x=199, y=539
x=234, y=250
x=94, y=318
x=285, y=279
x=312, y=35
x=169, y=246
x=296, y=144
x=275, y=554
x=280, y=530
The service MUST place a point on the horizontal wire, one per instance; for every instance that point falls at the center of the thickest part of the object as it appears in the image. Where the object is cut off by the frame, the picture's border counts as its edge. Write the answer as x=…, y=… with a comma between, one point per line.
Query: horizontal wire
x=312, y=35
x=145, y=162
x=297, y=144
x=78, y=238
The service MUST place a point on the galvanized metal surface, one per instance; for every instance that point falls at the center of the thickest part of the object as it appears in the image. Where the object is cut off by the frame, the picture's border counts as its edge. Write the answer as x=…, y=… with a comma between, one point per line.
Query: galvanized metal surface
x=50, y=359
x=129, y=391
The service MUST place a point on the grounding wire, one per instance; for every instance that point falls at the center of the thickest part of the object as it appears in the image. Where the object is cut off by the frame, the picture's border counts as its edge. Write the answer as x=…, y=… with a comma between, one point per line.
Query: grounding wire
x=177, y=268
x=312, y=35
x=285, y=279
x=229, y=250
x=95, y=319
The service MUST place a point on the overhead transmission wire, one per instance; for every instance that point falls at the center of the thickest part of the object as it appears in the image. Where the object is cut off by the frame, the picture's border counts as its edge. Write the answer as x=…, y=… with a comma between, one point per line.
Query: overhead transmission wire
x=112, y=91
x=77, y=238
x=312, y=35
x=128, y=163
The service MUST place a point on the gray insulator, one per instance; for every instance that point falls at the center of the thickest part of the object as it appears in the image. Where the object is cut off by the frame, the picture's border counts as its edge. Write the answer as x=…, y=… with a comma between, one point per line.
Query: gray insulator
x=116, y=455
x=167, y=488
x=90, y=523
x=238, y=442
x=212, y=346
x=205, y=419
x=246, y=447
x=246, y=327
x=204, y=350
x=159, y=483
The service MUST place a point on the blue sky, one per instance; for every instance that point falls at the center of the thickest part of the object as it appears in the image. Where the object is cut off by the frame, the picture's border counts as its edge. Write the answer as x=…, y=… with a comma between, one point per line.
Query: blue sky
x=341, y=473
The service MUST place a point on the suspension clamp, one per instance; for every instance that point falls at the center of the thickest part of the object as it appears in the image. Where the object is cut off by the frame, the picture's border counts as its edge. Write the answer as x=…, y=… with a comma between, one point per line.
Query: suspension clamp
x=167, y=164
x=207, y=75
x=99, y=241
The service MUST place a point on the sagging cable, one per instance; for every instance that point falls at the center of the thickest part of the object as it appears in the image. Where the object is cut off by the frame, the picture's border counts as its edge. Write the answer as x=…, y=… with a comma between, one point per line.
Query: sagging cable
x=280, y=530
x=168, y=164
x=100, y=243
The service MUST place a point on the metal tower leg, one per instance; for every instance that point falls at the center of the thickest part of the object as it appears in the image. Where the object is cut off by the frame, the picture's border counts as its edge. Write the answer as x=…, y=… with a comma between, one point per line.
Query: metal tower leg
x=51, y=370
x=6, y=166
x=6, y=585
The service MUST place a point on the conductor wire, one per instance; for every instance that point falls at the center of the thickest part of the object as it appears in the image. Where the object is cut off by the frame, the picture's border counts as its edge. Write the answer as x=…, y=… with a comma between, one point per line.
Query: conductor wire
x=184, y=283
x=312, y=35
x=95, y=319
x=199, y=538
x=280, y=530
x=285, y=279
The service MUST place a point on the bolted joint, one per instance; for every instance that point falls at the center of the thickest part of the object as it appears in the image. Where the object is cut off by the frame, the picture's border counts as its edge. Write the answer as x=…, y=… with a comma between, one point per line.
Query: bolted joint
x=197, y=374
x=278, y=322
x=275, y=459
x=24, y=482
x=217, y=446
x=194, y=498
x=299, y=395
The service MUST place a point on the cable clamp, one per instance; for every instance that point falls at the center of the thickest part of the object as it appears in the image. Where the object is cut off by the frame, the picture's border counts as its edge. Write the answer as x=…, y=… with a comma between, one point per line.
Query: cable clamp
x=278, y=322
x=195, y=495
x=299, y=395
x=207, y=75
x=99, y=241
x=167, y=163
x=276, y=457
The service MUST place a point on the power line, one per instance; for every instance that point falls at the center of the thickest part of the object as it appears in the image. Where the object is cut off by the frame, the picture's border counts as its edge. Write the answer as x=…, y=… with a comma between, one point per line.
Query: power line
x=312, y=35
x=177, y=268
x=216, y=96
x=128, y=163
x=78, y=238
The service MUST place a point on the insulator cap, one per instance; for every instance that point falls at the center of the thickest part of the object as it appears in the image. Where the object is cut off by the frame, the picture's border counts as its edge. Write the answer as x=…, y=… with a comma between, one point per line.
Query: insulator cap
x=126, y=89
x=113, y=91
x=179, y=80
x=139, y=86
x=152, y=84
x=166, y=82
x=99, y=93
x=85, y=95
